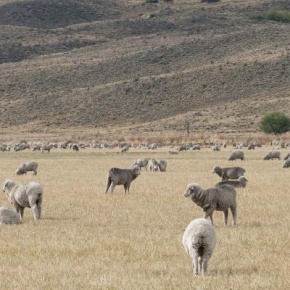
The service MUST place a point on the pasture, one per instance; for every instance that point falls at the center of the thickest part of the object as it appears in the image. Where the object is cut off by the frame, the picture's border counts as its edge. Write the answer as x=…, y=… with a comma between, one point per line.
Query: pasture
x=87, y=239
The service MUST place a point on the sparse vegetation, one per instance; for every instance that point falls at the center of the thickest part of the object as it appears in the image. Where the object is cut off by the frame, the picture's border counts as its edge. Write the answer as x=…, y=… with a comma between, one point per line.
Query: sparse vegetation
x=274, y=15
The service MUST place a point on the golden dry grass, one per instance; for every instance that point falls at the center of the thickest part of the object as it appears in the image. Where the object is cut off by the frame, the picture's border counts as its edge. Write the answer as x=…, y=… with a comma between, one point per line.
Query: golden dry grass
x=91, y=240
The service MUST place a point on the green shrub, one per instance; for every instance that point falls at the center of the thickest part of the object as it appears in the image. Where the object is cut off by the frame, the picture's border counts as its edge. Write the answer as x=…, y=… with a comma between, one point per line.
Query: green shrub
x=274, y=15
x=275, y=122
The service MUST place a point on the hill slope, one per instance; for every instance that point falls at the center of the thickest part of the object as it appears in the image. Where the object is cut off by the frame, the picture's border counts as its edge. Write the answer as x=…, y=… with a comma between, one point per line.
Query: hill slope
x=140, y=67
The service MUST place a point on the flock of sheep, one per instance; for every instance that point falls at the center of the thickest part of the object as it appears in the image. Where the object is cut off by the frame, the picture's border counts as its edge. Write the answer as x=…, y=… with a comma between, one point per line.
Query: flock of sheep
x=22, y=196
x=199, y=238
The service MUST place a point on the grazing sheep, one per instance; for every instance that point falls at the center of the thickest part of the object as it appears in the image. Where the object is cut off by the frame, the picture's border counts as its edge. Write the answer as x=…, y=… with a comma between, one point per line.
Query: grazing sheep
x=237, y=155
x=162, y=165
x=286, y=156
x=24, y=195
x=36, y=148
x=153, y=165
x=199, y=241
x=27, y=166
x=125, y=148
x=241, y=182
x=8, y=216
x=46, y=148
x=229, y=172
x=172, y=152
x=195, y=147
x=220, y=199
x=215, y=148
x=141, y=162
x=75, y=147
x=286, y=163
x=251, y=147
x=117, y=176
x=272, y=155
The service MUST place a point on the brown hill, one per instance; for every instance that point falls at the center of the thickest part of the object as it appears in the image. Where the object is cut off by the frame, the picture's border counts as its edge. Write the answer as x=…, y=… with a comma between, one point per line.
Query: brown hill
x=134, y=68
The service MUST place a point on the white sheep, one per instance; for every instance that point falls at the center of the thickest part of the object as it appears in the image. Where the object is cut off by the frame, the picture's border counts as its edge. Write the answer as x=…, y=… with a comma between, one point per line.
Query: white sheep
x=8, y=216
x=220, y=199
x=199, y=240
x=27, y=166
x=162, y=165
x=24, y=195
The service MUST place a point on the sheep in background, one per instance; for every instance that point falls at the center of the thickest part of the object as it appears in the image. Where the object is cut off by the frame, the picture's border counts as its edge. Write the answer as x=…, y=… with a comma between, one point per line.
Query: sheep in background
x=215, y=147
x=237, y=155
x=153, y=165
x=141, y=162
x=46, y=147
x=272, y=155
x=162, y=165
x=27, y=166
x=125, y=148
x=8, y=216
x=286, y=164
x=24, y=195
x=220, y=199
x=117, y=176
x=199, y=241
x=229, y=172
x=241, y=182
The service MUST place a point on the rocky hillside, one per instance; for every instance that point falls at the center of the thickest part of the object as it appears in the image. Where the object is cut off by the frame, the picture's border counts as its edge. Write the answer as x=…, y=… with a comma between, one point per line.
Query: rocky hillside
x=133, y=67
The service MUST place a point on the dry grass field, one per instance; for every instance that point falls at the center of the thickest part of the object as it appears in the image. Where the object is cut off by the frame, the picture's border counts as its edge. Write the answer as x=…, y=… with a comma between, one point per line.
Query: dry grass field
x=87, y=239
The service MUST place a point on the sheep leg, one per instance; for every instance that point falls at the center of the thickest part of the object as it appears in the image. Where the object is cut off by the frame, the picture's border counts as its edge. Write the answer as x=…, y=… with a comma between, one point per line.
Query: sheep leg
x=200, y=264
x=21, y=212
x=204, y=265
x=113, y=184
x=33, y=202
x=234, y=214
x=195, y=264
x=127, y=187
x=208, y=214
x=39, y=206
x=226, y=214
x=108, y=184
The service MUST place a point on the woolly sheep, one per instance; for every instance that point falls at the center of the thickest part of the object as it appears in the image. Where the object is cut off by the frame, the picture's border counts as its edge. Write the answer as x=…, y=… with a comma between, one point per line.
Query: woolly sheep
x=27, y=166
x=24, y=195
x=241, y=182
x=229, y=172
x=162, y=165
x=237, y=155
x=153, y=165
x=272, y=155
x=286, y=164
x=125, y=148
x=46, y=148
x=286, y=156
x=8, y=216
x=117, y=176
x=215, y=147
x=220, y=199
x=199, y=241
x=141, y=162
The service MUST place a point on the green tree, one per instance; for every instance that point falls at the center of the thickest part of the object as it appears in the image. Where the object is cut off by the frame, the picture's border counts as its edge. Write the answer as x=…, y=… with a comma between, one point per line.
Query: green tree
x=275, y=122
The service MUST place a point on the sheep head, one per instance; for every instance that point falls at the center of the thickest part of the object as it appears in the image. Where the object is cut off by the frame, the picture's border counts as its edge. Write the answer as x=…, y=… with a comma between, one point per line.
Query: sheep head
x=192, y=190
